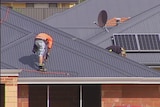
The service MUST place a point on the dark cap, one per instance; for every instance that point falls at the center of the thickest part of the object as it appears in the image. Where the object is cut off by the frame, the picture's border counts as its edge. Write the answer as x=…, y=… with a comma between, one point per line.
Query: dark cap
x=114, y=48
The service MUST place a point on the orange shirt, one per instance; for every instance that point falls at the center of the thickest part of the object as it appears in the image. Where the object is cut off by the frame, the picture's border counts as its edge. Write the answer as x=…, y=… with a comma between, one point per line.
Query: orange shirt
x=45, y=37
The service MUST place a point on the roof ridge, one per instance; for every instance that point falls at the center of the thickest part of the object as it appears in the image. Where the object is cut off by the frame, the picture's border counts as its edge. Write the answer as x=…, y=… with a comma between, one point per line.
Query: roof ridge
x=151, y=11
x=17, y=28
x=129, y=23
x=146, y=11
x=66, y=11
x=15, y=42
x=106, y=52
x=95, y=60
x=67, y=38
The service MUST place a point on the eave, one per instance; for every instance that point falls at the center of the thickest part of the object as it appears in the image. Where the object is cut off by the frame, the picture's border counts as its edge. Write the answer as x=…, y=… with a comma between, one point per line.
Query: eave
x=9, y=72
x=90, y=80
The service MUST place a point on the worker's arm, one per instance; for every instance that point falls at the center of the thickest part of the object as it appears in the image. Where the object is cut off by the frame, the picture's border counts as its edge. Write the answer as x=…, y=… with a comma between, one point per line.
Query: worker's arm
x=50, y=43
x=49, y=50
x=123, y=52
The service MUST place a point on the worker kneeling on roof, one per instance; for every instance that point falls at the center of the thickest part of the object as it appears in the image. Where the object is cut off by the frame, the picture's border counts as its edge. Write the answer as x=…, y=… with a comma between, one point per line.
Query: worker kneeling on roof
x=42, y=46
x=117, y=49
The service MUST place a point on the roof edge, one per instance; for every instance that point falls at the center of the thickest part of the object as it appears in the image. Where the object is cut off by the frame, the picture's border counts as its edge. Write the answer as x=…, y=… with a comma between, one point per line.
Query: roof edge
x=151, y=65
x=90, y=80
x=10, y=72
x=154, y=67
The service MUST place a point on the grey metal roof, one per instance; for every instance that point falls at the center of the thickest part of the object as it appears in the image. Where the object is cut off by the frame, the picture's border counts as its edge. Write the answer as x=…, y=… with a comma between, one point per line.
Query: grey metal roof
x=147, y=22
x=70, y=56
x=79, y=20
x=144, y=19
x=44, y=1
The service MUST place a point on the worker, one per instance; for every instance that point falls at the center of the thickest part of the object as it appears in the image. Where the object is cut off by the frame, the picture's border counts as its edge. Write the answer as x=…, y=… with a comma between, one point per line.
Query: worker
x=117, y=49
x=42, y=46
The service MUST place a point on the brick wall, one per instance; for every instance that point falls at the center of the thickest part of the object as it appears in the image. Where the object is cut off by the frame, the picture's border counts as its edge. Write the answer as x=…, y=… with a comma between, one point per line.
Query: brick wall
x=23, y=96
x=10, y=90
x=144, y=95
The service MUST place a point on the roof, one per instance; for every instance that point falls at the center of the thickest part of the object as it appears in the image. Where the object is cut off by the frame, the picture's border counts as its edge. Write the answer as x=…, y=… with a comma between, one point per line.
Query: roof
x=146, y=22
x=144, y=19
x=70, y=57
x=79, y=20
x=40, y=1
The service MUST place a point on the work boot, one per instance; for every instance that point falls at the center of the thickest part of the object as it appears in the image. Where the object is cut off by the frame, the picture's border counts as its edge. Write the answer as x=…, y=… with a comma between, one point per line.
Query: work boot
x=41, y=66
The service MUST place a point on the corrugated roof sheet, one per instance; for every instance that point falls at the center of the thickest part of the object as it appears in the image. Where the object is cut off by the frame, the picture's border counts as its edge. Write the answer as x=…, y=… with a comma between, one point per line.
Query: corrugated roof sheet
x=70, y=56
x=147, y=22
x=79, y=20
x=144, y=19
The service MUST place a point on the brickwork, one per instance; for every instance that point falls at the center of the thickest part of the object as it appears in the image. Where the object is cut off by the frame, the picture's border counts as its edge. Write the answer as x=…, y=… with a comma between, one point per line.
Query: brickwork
x=142, y=95
x=10, y=90
x=23, y=96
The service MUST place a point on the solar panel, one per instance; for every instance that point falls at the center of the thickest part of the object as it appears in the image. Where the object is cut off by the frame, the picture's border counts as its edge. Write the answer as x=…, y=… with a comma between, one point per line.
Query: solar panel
x=149, y=41
x=127, y=41
x=142, y=42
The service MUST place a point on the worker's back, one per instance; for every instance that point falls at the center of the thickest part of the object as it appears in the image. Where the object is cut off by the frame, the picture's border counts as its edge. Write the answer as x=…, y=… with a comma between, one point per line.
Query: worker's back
x=117, y=49
x=45, y=37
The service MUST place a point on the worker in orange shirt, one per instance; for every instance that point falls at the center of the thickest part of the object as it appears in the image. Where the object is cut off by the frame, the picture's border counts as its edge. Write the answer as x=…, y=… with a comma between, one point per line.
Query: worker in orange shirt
x=42, y=46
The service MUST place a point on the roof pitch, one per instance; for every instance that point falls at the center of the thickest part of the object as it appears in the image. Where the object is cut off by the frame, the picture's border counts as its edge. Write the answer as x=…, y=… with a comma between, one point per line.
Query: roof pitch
x=144, y=19
x=70, y=56
x=146, y=22
x=79, y=20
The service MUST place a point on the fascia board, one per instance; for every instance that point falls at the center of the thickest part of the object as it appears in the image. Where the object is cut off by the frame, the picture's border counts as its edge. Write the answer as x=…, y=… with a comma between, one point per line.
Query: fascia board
x=90, y=80
x=9, y=72
x=151, y=65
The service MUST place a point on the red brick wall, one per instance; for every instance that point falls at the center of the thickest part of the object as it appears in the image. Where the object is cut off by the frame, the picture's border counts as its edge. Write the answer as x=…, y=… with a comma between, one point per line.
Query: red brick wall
x=23, y=97
x=145, y=95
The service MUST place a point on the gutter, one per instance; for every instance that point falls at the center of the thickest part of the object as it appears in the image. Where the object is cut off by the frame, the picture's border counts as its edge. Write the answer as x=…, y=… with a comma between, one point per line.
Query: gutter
x=155, y=67
x=152, y=65
x=89, y=80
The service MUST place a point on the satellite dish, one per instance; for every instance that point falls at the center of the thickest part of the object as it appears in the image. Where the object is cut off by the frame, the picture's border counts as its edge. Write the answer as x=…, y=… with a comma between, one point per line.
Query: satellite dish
x=102, y=18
